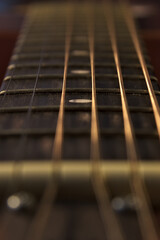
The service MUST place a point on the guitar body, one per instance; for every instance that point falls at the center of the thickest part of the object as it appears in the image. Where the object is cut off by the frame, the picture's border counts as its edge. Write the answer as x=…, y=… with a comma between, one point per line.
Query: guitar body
x=30, y=209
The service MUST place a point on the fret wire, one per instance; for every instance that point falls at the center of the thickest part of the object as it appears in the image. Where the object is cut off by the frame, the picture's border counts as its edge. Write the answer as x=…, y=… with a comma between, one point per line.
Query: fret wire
x=111, y=226
x=137, y=184
x=39, y=222
x=72, y=108
x=70, y=131
x=50, y=76
x=78, y=64
x=78, y=90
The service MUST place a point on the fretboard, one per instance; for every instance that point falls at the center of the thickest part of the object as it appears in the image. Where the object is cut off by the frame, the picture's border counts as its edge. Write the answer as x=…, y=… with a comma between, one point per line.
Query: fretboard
x=79, y=116
x=31, y=94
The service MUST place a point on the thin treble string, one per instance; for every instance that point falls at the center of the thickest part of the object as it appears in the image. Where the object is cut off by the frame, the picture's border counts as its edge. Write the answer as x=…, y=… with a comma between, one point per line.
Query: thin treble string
x=8, y=218
x=137, y=184
x=21, y=150
x=41, y=218
x=132, y=28
x=111, y=225
x=14, y=185
x=4, y=91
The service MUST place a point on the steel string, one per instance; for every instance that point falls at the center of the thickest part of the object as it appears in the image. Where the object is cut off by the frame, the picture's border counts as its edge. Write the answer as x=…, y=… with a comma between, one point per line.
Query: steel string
x=137, y=183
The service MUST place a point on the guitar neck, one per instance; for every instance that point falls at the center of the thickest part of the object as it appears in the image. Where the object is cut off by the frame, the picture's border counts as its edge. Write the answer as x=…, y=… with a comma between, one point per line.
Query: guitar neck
x=80, y=106
x=31, y=94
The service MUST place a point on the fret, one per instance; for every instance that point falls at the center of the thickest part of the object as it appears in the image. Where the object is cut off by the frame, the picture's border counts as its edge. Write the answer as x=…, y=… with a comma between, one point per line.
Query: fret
x=77, y=90
x=109, y=168
x=31, y=76
x=31, y=57
x=70, y=131
x=72, y=108
x=78, y=82
x=44, y=65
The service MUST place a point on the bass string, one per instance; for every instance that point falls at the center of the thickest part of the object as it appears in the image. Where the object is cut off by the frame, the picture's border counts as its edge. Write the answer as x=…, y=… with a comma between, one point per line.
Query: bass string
x=109, y=219
x=137, y=183
x=40, y=220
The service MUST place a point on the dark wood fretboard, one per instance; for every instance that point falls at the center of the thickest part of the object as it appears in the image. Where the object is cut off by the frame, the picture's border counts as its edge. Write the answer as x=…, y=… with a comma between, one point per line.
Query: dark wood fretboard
x=79, y=106
x=31, y=91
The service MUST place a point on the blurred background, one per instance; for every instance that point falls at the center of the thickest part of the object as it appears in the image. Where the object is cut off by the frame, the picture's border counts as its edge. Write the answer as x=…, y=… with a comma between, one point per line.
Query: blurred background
x=12, y=13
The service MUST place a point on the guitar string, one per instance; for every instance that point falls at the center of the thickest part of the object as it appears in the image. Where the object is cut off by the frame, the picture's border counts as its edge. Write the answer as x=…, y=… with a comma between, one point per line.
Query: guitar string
x=42, y=215
x=94, y=117
x=145, y=215
x=110, y=223
x=137, y=184
x=26, y=24
x=21, y=149
x=7, y=219
x=132, y=28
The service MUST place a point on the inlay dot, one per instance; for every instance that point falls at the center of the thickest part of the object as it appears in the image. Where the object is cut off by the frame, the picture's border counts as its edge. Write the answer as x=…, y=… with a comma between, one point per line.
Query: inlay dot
x=80, y=53
x=80, y=101
x=128, y=202
x=118, y=204
x=21, y=200
x=80, y=71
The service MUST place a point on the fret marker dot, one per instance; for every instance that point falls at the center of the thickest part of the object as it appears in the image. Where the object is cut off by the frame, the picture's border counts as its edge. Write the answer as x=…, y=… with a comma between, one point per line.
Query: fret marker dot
x=20, y=201
x=118, y=204
x=11, y=66
x=2, y=92
x=80, y=53
x=13, y=202
x=80, y=101
x=80, y=72
x=129, y=202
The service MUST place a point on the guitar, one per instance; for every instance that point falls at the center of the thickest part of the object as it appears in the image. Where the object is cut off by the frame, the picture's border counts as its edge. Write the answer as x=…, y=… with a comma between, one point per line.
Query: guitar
x=80, y=127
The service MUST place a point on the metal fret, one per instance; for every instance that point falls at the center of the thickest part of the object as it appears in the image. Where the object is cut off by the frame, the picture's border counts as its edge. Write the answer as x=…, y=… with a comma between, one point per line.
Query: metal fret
x=46, y=76
x=73, y=90
x=80, y=64
x=109, y=169
x=50, y=131
x=73, y=108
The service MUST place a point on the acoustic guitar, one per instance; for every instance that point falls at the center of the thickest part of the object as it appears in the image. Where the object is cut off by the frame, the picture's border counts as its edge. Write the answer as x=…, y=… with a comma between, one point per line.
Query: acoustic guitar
x=80, y=127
